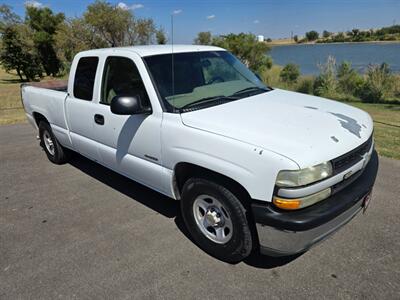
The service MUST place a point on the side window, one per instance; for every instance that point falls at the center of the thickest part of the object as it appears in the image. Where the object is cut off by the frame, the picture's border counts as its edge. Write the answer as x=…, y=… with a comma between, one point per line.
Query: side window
x=84, y=78
x=121, y=77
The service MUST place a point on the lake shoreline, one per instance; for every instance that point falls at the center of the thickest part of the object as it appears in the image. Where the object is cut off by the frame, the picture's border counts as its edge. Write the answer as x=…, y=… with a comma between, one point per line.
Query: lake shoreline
x=271, y=44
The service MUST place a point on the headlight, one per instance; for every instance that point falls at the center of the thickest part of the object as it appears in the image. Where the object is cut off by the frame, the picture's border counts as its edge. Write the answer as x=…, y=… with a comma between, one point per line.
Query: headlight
x=304, y=176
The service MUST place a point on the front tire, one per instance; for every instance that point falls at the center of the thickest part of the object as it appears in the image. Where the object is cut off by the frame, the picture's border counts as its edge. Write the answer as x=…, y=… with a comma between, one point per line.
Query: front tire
x=54, y=151
x=216, y=220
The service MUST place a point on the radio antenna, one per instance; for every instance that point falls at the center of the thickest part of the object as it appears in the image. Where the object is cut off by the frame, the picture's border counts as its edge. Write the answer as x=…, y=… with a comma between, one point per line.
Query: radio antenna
x=172, y=55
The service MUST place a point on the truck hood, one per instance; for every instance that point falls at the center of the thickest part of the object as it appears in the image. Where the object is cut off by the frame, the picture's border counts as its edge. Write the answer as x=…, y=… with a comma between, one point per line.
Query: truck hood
x=304, y=128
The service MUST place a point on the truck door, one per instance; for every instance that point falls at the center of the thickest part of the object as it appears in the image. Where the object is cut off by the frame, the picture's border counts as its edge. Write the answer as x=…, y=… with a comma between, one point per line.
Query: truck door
x=131, y=144
x=80, y=107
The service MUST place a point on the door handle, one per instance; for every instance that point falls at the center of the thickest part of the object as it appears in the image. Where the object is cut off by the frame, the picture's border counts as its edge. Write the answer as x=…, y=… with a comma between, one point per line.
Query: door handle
x=99, y=119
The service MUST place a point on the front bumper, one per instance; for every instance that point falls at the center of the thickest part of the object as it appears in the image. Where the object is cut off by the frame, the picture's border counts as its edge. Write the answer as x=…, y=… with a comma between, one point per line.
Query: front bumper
x=283, y=233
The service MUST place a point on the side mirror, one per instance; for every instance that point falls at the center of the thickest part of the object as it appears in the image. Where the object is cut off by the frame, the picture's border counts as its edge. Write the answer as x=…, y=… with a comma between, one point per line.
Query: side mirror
x=127, y=105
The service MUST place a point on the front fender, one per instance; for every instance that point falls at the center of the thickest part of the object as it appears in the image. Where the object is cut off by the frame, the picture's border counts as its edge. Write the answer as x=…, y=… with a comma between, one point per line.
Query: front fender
x=251, y=166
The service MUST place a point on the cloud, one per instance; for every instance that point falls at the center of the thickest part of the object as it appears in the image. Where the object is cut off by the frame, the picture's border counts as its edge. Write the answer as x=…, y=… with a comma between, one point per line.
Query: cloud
x=256, y=21
x=33, y=3
x=125, y=6
x=177, y=11
x=210, y=17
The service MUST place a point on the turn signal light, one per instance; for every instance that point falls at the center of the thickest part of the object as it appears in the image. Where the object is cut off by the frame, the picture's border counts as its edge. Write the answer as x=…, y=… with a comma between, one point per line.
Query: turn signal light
x=298, y=203
x=287, y=203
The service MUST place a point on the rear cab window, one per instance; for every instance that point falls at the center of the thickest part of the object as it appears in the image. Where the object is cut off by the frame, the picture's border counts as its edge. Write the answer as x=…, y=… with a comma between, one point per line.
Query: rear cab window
x=85, y=77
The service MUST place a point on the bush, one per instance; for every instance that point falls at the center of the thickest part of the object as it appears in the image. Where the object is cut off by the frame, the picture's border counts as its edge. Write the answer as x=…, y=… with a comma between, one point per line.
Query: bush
x=326, y=83
x=306, y=86
x=379, y=84
x=349, y=80
x=290, y=73
x=271, y=76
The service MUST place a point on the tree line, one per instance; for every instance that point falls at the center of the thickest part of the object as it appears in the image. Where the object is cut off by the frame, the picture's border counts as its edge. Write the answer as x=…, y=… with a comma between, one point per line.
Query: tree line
x=45, y=42
x=391, y=33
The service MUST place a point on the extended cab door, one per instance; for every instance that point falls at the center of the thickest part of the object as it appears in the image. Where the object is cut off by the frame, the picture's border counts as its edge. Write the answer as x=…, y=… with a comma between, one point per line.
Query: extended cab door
x=131, y=144
x=80, y=105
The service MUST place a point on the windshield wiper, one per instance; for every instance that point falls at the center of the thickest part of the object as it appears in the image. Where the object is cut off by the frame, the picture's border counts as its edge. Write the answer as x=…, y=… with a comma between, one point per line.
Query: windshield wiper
x=208, y=99
x=251, y=89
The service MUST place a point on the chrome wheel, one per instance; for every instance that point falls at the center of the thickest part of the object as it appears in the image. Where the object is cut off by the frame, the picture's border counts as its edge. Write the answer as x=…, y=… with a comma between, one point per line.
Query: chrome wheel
x=48, y=142
x=212, y=219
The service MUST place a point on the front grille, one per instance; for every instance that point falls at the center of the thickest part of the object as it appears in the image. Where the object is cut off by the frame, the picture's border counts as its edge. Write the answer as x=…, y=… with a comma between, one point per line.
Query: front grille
x=347, y=160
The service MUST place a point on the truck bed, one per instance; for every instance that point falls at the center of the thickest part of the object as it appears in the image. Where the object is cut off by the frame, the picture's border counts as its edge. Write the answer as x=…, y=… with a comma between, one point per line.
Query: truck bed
x=47, y=99
x=57, y=85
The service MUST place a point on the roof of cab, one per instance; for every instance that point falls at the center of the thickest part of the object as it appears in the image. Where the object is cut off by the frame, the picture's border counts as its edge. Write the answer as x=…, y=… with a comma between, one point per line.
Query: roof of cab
x=148, y=50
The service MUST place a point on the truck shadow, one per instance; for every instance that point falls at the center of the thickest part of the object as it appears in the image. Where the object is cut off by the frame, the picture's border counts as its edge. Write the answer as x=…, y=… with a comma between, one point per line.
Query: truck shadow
x=152, y=199
x=163, y=205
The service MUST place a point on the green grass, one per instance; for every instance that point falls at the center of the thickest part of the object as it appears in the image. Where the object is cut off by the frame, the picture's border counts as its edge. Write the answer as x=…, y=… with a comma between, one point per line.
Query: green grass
x=387, y=127
x=386, y=116
x=11, y=110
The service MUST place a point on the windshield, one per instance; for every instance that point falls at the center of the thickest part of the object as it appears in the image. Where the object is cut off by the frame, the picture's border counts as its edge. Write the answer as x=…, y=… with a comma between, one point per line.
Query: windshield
x=201, y=79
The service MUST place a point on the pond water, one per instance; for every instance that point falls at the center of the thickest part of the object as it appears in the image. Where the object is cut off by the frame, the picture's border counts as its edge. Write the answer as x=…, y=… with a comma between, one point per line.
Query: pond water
x=359, y=54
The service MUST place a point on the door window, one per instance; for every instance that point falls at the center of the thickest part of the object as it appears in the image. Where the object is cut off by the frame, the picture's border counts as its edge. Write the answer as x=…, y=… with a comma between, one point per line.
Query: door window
x=121, y=78
x=84, y=78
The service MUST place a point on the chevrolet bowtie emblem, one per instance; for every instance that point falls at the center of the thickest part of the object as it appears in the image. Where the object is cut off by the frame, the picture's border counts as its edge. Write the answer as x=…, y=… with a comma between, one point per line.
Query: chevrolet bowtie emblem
x=347, y=175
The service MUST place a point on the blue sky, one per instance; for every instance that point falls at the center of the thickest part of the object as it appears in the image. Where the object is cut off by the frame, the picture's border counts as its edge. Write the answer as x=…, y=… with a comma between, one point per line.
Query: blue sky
x=272, y=18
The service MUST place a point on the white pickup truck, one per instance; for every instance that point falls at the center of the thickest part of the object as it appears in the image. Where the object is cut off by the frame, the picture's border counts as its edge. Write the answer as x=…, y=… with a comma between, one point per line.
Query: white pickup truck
x=253, y=167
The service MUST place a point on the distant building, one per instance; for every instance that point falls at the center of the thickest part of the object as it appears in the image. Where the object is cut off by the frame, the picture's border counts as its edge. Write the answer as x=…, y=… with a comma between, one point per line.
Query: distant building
x=260, y=38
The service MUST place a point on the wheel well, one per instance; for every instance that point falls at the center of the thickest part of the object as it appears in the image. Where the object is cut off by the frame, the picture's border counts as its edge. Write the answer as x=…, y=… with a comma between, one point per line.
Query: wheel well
x=38, y=118
x=183, y=171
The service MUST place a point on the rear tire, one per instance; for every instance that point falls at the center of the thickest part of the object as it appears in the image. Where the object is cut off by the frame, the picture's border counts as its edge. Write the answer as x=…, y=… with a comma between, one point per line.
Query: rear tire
x=216, y=220
x=55, y=152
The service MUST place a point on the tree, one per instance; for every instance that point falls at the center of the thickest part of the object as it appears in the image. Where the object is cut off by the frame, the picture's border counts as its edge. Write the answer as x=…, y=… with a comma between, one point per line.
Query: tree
x=355, y=32
x=44, y=25
x=296, y=38
x=246, y=47
x=18, y=52
x=73, y=36
x=7, y=17
x=312, y=35
x=290, y=73
x=108, y=22
x=142, y=32
x=160, y=36
x=269, y=40
x=326, y=34
x=203, y=38
x=117, y=26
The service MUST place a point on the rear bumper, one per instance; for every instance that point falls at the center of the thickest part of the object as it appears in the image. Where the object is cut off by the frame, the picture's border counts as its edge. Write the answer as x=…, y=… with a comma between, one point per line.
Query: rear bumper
x=283, y=233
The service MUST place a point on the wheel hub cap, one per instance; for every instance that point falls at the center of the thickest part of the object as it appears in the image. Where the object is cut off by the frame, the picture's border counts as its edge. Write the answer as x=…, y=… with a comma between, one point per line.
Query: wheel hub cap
x=212, y=219
x=48, y=142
